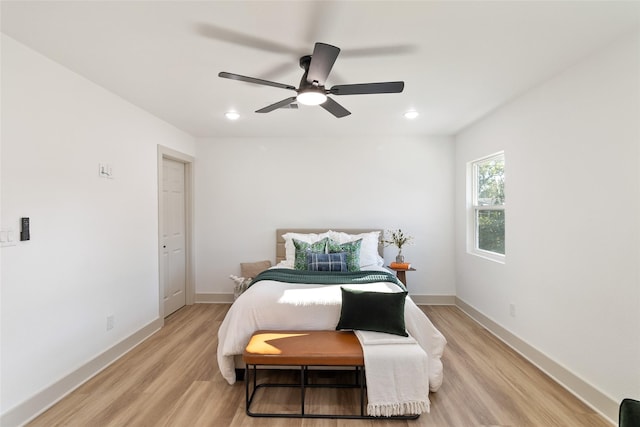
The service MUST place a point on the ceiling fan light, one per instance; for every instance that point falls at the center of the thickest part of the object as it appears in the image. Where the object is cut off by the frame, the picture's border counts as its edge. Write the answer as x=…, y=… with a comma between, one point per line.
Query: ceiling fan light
x=311, y=97
x=232, y=115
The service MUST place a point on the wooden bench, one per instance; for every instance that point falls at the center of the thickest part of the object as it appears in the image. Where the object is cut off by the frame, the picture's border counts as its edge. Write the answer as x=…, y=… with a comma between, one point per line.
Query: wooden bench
x=305, y=349
x=317, y=348
x=302, y=349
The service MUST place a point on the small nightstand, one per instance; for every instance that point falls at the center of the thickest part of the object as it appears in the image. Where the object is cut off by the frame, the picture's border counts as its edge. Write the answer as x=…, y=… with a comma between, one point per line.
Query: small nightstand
x=401, y=273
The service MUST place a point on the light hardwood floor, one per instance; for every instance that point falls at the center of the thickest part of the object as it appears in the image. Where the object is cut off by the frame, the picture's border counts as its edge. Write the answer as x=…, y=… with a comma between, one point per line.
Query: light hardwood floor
x=172, y=379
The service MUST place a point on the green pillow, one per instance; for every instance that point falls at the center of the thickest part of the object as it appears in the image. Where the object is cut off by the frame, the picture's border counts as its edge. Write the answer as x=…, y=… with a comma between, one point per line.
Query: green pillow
x=351, y=248
x=302, y=248
x=373, y=311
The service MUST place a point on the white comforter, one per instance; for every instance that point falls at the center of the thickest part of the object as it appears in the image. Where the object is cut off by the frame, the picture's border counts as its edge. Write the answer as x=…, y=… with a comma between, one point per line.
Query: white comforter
x=276, y=305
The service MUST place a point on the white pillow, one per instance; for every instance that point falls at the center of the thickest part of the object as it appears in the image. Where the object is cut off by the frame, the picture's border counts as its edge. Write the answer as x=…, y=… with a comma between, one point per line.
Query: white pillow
x=368, y=251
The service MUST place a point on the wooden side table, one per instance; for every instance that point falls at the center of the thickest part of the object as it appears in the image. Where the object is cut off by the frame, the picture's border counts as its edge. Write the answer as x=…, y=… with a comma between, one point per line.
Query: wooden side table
x=401, y=273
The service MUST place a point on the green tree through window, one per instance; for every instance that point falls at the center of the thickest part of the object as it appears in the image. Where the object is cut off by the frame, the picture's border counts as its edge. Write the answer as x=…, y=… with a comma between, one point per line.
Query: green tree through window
x=488, y=204
x=491, y=182
x=491, y=231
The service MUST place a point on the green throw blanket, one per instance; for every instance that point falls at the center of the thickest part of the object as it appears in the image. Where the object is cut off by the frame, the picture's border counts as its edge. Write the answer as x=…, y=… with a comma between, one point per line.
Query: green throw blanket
x=288, y=275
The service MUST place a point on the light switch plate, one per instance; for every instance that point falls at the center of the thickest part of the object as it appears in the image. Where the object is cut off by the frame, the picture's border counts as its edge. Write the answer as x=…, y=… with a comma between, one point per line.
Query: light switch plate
x=8, y=237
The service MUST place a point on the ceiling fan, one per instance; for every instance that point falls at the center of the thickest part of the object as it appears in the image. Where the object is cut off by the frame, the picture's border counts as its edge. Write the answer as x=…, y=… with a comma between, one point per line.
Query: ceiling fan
x=311, y=90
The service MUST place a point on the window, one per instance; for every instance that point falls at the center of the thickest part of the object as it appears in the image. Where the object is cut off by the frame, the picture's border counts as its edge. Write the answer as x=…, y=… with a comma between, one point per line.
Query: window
x=486, y=235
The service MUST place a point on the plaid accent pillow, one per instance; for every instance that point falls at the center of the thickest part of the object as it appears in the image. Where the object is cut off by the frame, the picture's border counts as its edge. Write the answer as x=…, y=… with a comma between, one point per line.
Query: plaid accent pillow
x=318, y=261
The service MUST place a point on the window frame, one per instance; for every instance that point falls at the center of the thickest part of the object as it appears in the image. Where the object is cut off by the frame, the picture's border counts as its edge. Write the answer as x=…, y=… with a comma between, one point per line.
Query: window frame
x=473, y=209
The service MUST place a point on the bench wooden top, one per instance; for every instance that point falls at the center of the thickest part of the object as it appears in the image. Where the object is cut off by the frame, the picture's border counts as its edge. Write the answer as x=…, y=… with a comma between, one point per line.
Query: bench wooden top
x=308, y=348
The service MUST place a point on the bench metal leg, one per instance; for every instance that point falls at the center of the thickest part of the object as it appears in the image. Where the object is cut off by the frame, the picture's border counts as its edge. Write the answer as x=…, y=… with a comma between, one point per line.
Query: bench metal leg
x=247, y=401
x=361, y=391
x=303, y=384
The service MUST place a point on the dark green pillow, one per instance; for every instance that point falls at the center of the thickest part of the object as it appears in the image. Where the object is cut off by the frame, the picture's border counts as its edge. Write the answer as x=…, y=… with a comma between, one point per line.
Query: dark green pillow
x=373, y=311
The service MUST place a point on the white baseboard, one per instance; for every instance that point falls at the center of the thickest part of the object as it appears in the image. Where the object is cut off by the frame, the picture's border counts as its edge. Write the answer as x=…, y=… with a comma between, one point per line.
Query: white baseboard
x=43, y=400
x=584, y=391
x=214, y=298
x=433, y=299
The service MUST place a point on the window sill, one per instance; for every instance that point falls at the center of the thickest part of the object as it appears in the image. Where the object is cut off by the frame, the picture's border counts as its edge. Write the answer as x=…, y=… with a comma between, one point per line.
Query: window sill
x=491, y=256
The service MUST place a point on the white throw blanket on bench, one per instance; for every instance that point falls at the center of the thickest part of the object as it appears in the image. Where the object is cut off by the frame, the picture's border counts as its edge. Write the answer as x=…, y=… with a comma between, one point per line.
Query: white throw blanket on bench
x=396, y=370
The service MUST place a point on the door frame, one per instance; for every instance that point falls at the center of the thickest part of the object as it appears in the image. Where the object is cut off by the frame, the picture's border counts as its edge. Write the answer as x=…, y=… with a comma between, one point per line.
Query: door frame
x=187, y=160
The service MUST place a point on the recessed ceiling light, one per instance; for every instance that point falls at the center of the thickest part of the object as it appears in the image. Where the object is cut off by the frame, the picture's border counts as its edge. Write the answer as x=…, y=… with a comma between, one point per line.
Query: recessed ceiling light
x=232, y=115
x=411, y=114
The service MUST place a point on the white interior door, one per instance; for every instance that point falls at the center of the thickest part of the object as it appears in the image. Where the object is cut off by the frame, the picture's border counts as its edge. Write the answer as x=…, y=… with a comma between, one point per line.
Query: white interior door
x=173, y=235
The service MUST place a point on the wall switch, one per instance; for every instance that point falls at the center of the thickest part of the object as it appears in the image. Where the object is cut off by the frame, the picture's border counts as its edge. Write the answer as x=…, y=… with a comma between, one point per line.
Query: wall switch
x=24, y=231
x=512, y=310
x=110, y=321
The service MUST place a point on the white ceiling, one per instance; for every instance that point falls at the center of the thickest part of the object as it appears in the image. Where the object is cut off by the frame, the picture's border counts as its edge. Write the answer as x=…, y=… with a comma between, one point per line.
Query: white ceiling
x=459, y=60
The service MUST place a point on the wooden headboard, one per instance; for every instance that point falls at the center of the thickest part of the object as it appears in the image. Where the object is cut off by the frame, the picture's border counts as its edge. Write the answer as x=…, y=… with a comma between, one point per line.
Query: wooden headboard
x=280, y=251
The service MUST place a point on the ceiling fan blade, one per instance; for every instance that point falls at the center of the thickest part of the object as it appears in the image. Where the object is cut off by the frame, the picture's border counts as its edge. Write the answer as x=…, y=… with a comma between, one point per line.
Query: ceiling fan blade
x=280, y=70
x=367, y=88
x=322, y=60
x=242, y=39
x=398, y=49
x=334, y=108
x=232, y=76
x=277, y=105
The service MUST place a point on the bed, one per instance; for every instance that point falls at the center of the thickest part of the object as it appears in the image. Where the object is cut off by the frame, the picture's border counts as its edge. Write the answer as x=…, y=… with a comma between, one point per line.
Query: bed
x=279, y=305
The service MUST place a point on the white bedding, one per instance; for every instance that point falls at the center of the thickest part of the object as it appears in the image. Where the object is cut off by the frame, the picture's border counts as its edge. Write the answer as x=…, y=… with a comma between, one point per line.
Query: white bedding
x=276, y=305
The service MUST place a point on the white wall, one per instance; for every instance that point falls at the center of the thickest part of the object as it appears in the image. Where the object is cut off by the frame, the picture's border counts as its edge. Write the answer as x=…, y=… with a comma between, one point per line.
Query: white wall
x=247, y=188
x=93, y=248
x=573, y=216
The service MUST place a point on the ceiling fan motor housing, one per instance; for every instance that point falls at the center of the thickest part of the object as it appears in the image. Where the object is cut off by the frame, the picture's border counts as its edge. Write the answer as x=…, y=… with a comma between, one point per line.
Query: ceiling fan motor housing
x=305, y=85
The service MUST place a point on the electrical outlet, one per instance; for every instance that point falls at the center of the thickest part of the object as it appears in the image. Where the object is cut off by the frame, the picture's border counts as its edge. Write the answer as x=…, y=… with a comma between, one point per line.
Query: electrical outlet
x=512, y=310
x=110, y=321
